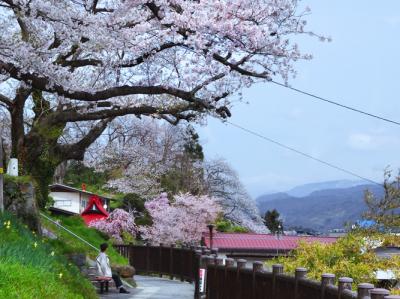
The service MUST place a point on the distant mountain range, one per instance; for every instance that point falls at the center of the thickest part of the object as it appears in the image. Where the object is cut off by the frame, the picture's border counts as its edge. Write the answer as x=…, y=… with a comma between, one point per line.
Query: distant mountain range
x=307, y=189
x=319, y=206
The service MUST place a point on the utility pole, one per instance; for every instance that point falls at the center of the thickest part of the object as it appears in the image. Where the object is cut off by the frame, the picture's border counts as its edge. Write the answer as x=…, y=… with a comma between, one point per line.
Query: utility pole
x=1, y=176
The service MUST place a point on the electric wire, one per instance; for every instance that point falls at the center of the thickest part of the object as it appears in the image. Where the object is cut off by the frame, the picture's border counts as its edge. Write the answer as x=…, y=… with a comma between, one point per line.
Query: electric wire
x=337, y=104
x=329, y=164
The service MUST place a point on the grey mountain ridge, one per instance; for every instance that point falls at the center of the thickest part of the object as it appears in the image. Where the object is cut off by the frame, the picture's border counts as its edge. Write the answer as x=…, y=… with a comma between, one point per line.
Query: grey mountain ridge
x=307, y=189
x=320, y=210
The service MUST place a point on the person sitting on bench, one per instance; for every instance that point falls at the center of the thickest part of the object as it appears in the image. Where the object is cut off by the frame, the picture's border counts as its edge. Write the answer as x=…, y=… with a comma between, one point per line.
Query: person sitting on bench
x=104, y=269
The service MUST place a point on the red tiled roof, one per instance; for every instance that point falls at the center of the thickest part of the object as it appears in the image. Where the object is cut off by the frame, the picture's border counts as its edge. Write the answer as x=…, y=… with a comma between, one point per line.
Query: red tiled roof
x=258, y=242
x=89, y=214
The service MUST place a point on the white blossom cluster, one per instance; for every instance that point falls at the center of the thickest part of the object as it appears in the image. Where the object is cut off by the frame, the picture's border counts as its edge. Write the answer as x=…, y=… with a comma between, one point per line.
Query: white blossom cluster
x=161, y=53
x=223, y=183
x=181, y=221
x=142, y=152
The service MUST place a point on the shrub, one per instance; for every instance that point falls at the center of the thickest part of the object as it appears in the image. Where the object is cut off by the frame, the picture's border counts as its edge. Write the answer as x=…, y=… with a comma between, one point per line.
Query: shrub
x=227, y=226
x=118, y=224
x=351, y=256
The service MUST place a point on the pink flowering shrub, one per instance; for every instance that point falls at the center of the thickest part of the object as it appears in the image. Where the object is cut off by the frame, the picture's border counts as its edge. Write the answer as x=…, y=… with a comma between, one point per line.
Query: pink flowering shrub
x=180, y=222
x=116, y=225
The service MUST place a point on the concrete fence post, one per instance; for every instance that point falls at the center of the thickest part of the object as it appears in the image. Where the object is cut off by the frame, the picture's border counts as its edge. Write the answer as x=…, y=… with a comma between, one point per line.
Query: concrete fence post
x=298, y=274
x=219, y=261
x=326, y=279
x=229, y=262
x=207, y=260
x=378, y=293
x=276, y=270
x=345, y=283
x=241, y=264
x=196, y=269
x=257, y=267
x=363, y=290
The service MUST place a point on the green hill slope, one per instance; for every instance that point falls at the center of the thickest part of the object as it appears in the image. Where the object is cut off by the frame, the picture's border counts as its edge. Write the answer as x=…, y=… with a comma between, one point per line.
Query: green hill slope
x=66, y=243
x=31, y=267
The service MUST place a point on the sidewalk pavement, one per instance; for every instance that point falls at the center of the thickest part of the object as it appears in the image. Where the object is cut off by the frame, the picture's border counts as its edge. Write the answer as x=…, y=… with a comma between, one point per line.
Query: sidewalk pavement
x=149, y=287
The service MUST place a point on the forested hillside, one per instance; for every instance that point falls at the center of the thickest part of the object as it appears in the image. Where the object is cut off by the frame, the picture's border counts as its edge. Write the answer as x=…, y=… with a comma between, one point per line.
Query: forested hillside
x=321, y=210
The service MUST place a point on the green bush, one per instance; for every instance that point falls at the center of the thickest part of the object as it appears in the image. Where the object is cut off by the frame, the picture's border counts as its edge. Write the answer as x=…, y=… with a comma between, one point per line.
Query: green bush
x=30, y=267
x=351, y=256
x=223, y=225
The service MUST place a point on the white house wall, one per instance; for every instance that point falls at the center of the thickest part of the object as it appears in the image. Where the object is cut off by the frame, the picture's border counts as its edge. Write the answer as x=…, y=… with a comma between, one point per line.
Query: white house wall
x=67, y=201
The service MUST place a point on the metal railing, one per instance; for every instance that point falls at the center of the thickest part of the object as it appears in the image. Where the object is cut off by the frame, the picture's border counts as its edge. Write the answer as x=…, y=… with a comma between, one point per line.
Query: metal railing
x=68, y=231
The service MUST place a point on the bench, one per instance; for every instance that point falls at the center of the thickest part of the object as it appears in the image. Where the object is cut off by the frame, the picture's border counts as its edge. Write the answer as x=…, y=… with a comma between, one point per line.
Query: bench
x=103, y=280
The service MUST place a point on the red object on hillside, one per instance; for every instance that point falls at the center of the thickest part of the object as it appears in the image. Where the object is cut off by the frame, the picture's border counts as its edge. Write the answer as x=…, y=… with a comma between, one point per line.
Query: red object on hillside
x=259, y=242
x=94, y=210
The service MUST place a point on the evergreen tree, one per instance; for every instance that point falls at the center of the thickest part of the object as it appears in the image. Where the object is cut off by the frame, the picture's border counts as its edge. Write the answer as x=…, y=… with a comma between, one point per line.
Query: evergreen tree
x=272, y=221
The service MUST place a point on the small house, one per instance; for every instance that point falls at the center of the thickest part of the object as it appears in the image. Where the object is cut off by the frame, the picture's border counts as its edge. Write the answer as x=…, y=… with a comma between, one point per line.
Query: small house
x=73, y=201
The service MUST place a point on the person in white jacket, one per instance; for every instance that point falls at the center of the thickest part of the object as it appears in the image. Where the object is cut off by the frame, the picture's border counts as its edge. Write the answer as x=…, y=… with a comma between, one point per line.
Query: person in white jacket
x=104, y=269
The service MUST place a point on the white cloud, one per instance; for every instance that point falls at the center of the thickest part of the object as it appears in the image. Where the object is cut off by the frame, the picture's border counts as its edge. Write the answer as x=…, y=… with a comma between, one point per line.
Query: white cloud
x=369, y=141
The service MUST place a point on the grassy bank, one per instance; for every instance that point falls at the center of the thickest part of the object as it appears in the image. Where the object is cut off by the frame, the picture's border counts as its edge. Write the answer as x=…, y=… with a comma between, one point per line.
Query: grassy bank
x=31, y=267
x=66, y=243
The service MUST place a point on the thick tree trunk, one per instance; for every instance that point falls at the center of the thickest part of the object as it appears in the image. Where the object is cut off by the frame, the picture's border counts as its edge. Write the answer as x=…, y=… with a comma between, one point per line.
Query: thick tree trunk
x=17, y=129
x=38, y=151
x=41, y=158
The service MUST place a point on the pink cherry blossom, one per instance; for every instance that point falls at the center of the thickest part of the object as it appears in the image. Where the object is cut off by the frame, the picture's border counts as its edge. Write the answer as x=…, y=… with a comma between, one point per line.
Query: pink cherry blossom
x=180, y=221
x=118, y=222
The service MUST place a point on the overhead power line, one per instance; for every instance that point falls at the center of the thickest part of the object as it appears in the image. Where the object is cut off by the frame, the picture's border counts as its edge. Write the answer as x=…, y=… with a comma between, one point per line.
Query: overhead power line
x=302, y=153
x=337, y=104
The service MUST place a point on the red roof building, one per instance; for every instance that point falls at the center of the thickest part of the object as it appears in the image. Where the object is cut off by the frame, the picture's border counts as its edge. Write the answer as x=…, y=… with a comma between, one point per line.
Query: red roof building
x=72, y=201
x=94, y=210
x=251, y=244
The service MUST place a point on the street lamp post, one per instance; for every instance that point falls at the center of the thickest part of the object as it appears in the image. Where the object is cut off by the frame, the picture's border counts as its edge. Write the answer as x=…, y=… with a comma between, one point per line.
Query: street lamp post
x=278, y=237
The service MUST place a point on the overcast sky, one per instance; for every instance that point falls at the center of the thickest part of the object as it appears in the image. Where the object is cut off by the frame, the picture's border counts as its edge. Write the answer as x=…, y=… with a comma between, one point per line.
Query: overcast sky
x=359, y=68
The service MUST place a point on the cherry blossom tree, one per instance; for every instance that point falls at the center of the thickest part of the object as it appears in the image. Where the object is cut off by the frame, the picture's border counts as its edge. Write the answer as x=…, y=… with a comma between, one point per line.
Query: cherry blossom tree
x=222, y=182
x=181, y=221
x=149, y=158
x=116, y=225
x=140, y=152
x=91, y=61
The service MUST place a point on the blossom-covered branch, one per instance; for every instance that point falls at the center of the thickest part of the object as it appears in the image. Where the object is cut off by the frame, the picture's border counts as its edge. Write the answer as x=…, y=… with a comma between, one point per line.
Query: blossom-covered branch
x=181, y=221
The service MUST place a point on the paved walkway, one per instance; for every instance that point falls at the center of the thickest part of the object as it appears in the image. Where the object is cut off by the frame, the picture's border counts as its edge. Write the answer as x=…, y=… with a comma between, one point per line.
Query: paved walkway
x=149, y=287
